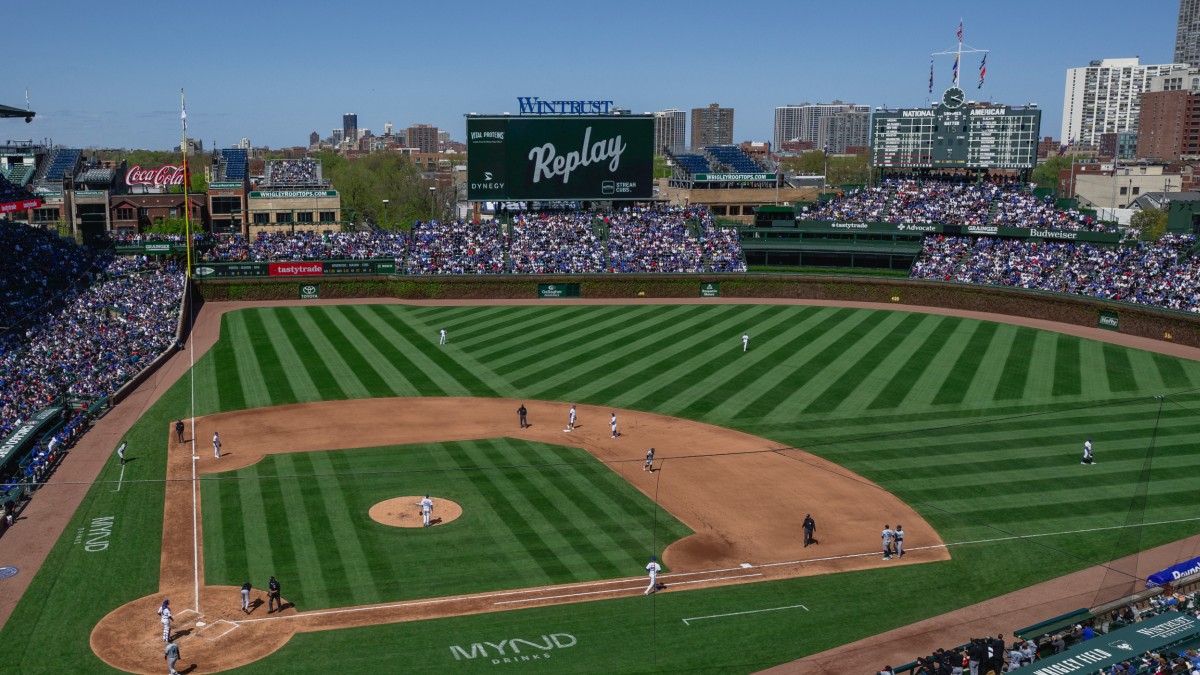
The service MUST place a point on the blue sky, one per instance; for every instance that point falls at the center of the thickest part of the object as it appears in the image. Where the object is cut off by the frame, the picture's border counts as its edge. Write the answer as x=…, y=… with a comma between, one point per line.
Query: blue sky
x=108, y=74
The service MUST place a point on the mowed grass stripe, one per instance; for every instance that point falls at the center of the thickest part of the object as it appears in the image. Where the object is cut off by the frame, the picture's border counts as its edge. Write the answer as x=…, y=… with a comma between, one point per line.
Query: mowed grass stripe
x=610, y=348
x=339, y=581
x=687, y=361
x=1066, y=366
x=377, y=548
x=514, y=356
x=506, y=343
x=463, y=323
x=304, y=365
x=838, y=345
x=453, y=374
x=342, y=522
x=217, y=553
x=288, y=493
x=222, y=358
x=927, y=346
x=524, y=527
x=585, y=343
x=1011, y=386
x=410, y=380
x=975, y=351
x=262, y=345
x=258, y=541
x=847, y=382
x=256, y=391
x=1118, y=368
x=375, y=370
x=331, y=353
x=1040, y=385
x=742, y=372
x=1171, y=371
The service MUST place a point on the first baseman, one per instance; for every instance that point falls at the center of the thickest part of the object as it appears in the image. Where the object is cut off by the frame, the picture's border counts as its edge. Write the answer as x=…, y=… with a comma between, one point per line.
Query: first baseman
x=165, y=613
x=571, y=419
x=653, y=568
x=899, y=534
x=216, y=446
x=426, y=508
x=888, y=537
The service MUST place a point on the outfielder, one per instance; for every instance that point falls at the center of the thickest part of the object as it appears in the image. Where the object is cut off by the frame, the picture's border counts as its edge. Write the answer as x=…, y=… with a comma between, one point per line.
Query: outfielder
x=613, y=423
x=653, y=568
x=121, y=453
x=165, y=613
x=745, y=341
x=442, y=338
x=571, y=419
x=426, y=509
x=216, y=446
x=1087, y=453
x=649, y=461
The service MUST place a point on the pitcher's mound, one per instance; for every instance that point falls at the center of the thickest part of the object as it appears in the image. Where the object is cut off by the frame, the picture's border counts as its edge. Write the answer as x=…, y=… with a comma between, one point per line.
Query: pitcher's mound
x=405, y=512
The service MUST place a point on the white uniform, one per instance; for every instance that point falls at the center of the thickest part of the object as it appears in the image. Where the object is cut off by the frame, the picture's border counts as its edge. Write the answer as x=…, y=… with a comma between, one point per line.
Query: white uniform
x=442, y=340
x=426, y=508
x=899, y=534
x=745, y=342
x=1087, y=453
x=165, y=613
x=649, y=460
x=613, y=423
x=653, y=568
x=571, y=420
x=216, y=446
x=888, y=537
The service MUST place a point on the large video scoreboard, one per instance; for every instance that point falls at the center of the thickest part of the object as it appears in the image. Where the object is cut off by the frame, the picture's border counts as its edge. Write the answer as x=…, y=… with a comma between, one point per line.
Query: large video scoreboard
x=567, y=157
x=956, y=136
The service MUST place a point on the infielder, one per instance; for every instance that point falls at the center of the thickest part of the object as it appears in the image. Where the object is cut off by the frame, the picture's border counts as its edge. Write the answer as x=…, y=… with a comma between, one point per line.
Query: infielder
x=165, y=613
x=442, y=338
x=888, y=537
x=571, y=419
x=216, y=446
x=653, y=568
x=426, y=509
x=649, y=461
x=1087, y=453
x=613, y=423
x=899, y=534
x=745, y=341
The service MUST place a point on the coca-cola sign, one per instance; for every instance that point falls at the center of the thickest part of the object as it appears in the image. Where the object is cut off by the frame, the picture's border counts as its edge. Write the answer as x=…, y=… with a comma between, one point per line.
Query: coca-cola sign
x=163, y=176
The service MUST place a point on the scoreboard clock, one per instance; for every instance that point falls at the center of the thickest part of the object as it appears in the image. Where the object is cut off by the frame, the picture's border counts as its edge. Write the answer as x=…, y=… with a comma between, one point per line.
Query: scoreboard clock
x=955, y=134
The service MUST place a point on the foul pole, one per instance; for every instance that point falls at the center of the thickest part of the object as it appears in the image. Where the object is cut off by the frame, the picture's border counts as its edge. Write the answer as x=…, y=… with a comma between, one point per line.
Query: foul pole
x=187, y=288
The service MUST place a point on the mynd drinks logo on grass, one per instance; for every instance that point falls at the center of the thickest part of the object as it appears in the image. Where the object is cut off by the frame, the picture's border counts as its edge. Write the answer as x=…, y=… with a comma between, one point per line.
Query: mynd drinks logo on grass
x=514, y=650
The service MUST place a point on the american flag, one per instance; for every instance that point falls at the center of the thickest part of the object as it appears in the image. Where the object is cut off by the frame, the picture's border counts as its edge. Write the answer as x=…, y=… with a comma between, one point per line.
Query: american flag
x=960, y=31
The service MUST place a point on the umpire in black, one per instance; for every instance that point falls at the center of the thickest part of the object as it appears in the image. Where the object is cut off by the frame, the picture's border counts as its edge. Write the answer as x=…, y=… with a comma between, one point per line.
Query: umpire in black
x=810, y=528
x=521, y=412
x=179, y=430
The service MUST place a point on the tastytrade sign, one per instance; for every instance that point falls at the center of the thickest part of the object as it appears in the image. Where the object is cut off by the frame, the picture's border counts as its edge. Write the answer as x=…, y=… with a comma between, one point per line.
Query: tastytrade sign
x=562, y=158
x=532, y=105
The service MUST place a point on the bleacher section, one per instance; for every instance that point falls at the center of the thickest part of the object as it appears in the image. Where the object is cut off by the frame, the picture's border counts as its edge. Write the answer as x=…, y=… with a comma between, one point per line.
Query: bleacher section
x=19, y=174
x=691, y=163
x=233, y=164
x=293, y=172
x=96, y=174
x=733, y=158
x=61, y=163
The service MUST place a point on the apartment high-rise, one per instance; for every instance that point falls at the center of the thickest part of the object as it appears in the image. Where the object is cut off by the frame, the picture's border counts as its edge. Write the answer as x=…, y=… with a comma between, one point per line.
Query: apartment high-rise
x=802, y=121
x=350, y=127
x=712, y=126
x=1187, y=33
x=842, y=129
x=670, y=131
x=1105, y=97
x=424, y=137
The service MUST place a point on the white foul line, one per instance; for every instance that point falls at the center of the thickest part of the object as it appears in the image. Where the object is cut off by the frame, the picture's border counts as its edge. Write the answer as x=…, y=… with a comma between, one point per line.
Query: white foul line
x=120, y=478
x=753, y=611
x=617, y=590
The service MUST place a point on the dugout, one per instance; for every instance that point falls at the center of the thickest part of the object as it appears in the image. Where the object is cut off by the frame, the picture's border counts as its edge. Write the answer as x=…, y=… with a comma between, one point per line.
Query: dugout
x=777, y=239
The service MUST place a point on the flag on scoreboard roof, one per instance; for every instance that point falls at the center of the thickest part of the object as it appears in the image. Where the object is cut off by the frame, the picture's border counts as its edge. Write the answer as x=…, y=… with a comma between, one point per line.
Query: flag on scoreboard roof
x=931, y=74
x=955, y=73
x=960, y=31
x=982, y=70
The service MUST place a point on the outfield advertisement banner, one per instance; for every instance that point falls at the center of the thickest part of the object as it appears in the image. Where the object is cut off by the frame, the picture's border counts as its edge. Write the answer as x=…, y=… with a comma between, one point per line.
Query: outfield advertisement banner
x=599, y=157
x=1109, y=320
x=1152, y=635
x=310, y=292
x=711, y=289
x=314, y=268
x=1174, y=573
x=956, y=230
x=558, y=290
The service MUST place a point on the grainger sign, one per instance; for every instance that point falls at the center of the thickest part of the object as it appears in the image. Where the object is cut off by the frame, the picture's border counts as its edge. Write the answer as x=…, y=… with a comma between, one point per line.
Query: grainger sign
x=163, y=176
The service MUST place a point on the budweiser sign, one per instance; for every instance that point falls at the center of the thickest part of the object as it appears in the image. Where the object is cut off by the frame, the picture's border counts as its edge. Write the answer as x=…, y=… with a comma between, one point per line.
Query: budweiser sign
x=163, y=176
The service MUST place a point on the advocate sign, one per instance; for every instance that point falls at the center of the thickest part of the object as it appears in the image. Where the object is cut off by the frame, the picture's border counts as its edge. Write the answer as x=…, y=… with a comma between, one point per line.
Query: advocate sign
x=560, y=158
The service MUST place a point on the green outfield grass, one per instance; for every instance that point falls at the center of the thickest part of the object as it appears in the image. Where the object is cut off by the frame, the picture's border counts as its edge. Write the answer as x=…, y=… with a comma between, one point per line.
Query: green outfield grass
x=536, y=515
x=978, y=425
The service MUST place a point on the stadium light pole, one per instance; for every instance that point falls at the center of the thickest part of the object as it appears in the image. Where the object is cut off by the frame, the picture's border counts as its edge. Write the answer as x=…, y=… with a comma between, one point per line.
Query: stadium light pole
x=385, y=203
x=432, y=202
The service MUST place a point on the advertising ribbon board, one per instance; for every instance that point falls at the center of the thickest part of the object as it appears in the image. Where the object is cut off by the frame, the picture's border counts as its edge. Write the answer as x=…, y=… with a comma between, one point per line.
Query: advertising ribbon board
x=296, y=269
x=310, y=292
x=1173, y=573
x=1152, y=635
x=558, y=290
x=711, y=289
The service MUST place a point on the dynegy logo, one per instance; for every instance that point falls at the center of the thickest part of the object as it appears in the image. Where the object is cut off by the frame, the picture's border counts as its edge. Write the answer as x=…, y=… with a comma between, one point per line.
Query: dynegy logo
x=548, y=163
x=514, y=650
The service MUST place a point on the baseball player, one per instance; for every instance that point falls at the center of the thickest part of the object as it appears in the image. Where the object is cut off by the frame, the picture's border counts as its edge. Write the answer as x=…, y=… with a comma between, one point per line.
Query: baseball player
x=442, y=338
x=1087, y=453
x=649, y=461
x=164, y=612
x=121, y=453
x=171, y=654
x=426, y=509
x=889, y=536
x=571, y=419
x=246, y=597
x=745, y=341
x=216, y=446
x=653, y=568
x=613, y=423
x=899, y=534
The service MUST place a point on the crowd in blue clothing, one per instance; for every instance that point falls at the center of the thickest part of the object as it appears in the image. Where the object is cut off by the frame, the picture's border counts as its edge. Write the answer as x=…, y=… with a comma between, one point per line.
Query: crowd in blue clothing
x=951, y=202
x=1159, y=273
x=289, y=246
x=646, y=240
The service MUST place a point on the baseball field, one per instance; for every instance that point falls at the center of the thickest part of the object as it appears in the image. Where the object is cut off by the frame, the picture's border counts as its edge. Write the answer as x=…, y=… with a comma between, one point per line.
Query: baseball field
x=968, y=432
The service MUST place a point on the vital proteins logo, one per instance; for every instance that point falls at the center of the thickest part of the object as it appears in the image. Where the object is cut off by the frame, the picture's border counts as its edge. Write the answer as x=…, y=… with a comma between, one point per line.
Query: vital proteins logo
x=487, y=137
x=548, y=164
x=514, y=650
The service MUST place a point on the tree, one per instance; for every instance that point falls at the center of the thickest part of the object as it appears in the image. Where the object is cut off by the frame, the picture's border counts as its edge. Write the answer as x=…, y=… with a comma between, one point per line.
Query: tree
x=169, y=225
x=364, y=183
x=1046, y=172
x=1151, y=222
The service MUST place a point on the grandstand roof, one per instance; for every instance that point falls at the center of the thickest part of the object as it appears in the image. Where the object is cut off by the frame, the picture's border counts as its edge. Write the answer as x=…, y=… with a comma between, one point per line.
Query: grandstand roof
x=9, y=111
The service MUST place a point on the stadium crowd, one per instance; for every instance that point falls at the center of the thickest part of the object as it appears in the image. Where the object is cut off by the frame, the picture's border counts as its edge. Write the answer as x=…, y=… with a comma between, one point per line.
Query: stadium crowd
x=292, y=172
x=39, y=267
x=645, y=240
x=951, y=202
x=555, y=244
x=1158, y=273
x=11, y=193
x=455, y=247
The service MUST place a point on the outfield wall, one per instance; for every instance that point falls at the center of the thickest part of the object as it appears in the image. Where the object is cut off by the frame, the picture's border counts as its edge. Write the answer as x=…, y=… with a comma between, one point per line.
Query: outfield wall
x=1142, y=321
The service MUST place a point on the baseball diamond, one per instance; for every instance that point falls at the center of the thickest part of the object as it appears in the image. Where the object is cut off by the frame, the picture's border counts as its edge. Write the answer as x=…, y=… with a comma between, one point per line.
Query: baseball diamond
x=967, y=431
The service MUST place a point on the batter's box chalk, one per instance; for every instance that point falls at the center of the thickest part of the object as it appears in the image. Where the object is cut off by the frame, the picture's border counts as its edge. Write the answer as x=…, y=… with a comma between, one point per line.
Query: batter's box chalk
x=215, y=630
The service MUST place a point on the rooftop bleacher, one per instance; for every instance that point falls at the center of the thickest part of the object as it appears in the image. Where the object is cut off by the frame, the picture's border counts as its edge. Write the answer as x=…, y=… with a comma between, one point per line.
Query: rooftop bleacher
x=234, y=161
x=293, y=173
x=19, y=174
x=61, y=163
x=733, y=157
x=692, y=163
x=95, y=174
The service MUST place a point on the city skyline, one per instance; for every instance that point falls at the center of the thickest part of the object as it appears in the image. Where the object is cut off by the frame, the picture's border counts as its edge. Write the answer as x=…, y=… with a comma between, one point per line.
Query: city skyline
x=274, y=80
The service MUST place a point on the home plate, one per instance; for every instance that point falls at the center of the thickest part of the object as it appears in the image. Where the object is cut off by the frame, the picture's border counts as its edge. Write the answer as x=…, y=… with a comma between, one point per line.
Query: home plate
x=746, y=565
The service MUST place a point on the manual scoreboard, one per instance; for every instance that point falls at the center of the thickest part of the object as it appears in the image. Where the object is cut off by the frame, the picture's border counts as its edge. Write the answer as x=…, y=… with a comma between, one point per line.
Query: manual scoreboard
x=956, y=136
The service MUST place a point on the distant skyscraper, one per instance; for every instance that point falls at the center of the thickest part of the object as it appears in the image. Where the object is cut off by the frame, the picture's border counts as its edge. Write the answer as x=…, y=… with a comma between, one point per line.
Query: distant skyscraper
x=841, y=129
x=350, y=127
x=337, y=136
x=803, y=121
x=424, y=137
x=1187, y=33
x=1105, y=97
x=387, y=128
x=670, y=131
x=712, y=126
x=787, y=123
x=314, y=139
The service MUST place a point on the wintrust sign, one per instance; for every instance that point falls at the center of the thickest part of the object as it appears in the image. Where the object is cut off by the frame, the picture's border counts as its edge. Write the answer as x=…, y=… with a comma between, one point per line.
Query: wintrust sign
x=163, y=176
